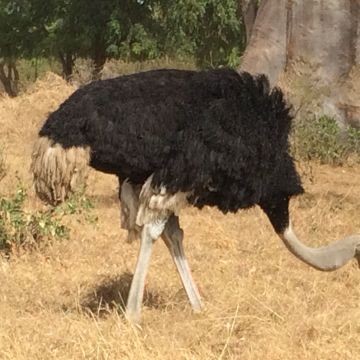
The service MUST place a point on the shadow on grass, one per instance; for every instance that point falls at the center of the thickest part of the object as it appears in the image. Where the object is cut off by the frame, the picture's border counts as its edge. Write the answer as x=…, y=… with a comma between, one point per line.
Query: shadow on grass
x=112, y=294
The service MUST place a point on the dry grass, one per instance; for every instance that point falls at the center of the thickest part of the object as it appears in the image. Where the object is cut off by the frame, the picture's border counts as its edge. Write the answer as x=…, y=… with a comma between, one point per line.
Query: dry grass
x=65, y=302
x=2, y=163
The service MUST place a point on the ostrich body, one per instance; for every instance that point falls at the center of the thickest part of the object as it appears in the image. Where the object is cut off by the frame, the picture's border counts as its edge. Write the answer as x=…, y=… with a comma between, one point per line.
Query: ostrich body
x=174, y=138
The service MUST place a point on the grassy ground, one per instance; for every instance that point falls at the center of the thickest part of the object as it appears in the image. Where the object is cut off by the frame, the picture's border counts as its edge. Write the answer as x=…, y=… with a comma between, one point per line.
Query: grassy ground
x=65, y=301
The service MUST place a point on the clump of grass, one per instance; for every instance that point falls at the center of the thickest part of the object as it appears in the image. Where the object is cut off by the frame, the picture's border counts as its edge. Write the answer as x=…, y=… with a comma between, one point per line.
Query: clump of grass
x=35, y=68
x=322, y=139
x=2, y=164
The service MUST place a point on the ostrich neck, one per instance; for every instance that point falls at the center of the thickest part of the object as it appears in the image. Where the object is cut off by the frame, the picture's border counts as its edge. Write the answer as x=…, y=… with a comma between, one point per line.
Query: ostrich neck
x=326, y=258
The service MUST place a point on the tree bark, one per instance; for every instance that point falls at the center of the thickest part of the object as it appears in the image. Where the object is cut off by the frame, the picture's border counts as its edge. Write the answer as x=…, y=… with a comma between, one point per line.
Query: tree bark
x=321, y=35
x=67, y=62
x=312, y=50
x=266, y=51
x=99, y=60
x=9, y=78
x=249, y=9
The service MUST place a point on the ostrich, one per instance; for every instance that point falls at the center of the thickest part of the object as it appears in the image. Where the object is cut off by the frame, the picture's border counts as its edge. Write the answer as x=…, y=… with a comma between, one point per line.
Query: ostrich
x=176, y=138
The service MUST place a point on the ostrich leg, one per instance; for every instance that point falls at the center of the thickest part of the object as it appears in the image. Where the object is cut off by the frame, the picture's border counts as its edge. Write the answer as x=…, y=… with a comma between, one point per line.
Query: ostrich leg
x=129, y=204
x=149, y=234
x=173, y=238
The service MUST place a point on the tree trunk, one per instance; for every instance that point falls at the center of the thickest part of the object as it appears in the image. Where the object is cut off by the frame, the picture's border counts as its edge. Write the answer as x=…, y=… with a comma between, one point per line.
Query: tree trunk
x=249, y=9
x=9, y=77
x=99, y=60
x=67, y=62
x=266, y=51
x=312, y=50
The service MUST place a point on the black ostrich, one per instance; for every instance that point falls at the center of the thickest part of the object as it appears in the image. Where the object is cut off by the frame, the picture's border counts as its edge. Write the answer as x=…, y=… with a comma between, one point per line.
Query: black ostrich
x=173, y=138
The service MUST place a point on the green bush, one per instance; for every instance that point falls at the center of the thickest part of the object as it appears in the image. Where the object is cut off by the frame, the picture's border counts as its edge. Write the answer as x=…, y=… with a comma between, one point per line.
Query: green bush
x=21, y=229
x=77, y=204
x=322, y=139
x=353, y=137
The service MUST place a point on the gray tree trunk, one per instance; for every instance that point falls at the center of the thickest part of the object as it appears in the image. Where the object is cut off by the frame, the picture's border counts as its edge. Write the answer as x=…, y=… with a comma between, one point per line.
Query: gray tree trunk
x=249, y=10
x=312, y=50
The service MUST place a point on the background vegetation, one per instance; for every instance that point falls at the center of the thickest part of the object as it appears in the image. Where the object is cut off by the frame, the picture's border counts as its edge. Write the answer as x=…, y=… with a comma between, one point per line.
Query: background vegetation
x=56, y=33
x=323, y=140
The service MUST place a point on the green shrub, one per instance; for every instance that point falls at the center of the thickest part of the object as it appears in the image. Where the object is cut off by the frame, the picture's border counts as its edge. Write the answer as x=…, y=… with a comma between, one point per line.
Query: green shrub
x=322, y=139
x=77, y=204
x=21, y=229
x=353, y=137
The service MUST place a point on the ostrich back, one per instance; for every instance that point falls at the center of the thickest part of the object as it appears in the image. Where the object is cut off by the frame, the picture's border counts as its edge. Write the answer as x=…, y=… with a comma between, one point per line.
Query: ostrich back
x=219, y=135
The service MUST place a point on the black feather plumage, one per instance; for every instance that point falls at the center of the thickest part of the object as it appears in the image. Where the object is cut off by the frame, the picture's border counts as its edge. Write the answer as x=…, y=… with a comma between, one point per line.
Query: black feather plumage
x=220, y=135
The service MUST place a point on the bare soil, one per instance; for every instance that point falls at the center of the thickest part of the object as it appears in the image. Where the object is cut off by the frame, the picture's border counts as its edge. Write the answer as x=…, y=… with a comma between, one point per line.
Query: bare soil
x=65, y=301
